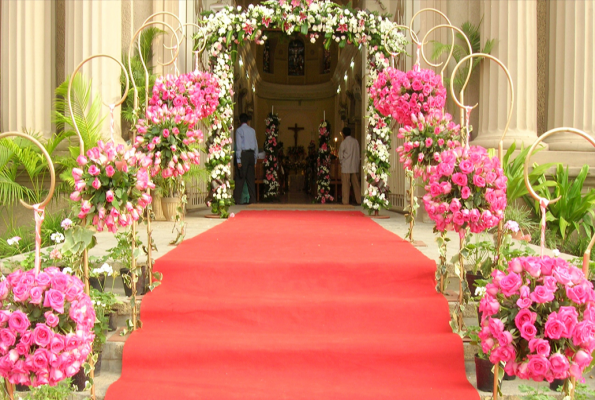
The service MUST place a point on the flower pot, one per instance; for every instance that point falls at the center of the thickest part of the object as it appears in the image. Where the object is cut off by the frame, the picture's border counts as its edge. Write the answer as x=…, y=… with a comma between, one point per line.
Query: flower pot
x=80, y=377
x=112, y=322
x=97, y=282
x=21, y=388
x=484, y=374
x=156, y=206
x=140, y=284
x=471, y=278
x=170, y=206
x=98, y=365
x=509, y=377
x=555, y=383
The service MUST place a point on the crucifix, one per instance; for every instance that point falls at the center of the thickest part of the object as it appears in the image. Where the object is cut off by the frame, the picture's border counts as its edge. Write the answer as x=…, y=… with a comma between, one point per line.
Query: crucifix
x=295, y=130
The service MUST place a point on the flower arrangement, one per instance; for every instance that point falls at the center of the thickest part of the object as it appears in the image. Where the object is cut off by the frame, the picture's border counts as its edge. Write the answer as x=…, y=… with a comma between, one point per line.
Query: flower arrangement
x=323, y=178
x=169, y=130
x=401, y=94
x=466, y=189
x=46, y=327
x=538, y=318
x=229, y=27
x=110, y=186
x=271, y=148
x=425, y=140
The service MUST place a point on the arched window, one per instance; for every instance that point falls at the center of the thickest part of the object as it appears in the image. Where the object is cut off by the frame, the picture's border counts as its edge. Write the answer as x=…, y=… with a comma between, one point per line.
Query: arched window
x=296, y=58
x=266, y=58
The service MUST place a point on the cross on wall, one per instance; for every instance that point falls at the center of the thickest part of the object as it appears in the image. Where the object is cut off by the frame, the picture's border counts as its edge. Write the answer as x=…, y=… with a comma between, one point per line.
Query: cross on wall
x=295, y=130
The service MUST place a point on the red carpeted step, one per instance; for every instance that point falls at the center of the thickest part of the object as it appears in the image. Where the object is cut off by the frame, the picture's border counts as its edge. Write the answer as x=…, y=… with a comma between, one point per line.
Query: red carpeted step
x=294, y=305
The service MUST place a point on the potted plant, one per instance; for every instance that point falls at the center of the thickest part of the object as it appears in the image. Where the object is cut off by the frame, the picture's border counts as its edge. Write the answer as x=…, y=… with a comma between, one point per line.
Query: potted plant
x=103, y=303
x=122, y=253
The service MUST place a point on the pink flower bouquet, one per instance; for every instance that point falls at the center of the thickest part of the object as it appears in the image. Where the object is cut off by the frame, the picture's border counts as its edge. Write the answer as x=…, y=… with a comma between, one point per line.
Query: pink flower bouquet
x=323, y=174
x=401, y=94
x=170, y=128
x=110, y=186
x=466, y=189
x=539, y=319
x=426, y=139
x=46, y=327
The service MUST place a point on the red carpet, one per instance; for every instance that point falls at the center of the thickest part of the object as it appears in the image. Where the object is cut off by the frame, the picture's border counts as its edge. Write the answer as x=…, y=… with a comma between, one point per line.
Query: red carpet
x=309, y=305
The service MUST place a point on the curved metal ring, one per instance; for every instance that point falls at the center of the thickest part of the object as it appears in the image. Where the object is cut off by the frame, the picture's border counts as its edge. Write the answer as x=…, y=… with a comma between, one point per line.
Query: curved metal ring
x=137, y=34
x=587, y=253
x=50, y=166
x=385, y=38
x=452, y=48
x=470, y=56
x=414, y=35
x=76, y=128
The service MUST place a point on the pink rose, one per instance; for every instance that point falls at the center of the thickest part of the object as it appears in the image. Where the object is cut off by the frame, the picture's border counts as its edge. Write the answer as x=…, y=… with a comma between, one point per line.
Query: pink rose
x=510, y=284
x=569, y=317
x=110, y=171
x=559, y=366
x=109, y=196
x=505, y=338
x=27, y=338
x=524, y=302
x=466, y=166
x=18, y=321
x=3, y=290
x=465, y=192
x=7, y=339
x=459, y=179
x=60, y=281
x=524, y=317
x=554, y=328
x=57, y=344
x=20, y=292
x=538, y=367
x=77, y=173
x=41, y=359
x=579, y=293
x=51, y=319
x=584, y=332
x=43, y=279
x=503, y=354
x=42, y=335
x=479, y=181
x=81, y=160
x=489, y=306
x=582, y=358
x=541, y=294
x=94, y=171
x=96, y=184
x=540, y=346
x=36, y=294
x=528, y=331
x=55, y=300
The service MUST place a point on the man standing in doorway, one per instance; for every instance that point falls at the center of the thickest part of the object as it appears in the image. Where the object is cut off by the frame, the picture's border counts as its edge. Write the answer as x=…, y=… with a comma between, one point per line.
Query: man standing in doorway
x=246, y=154
x=349, y=157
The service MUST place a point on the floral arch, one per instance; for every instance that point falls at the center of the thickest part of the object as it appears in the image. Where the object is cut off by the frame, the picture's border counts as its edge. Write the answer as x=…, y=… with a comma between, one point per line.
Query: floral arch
x=227, y=29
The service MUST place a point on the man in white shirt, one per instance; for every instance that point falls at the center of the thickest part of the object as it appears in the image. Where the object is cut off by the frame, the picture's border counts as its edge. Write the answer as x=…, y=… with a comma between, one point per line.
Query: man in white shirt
x=349, y=157
x=246, y=155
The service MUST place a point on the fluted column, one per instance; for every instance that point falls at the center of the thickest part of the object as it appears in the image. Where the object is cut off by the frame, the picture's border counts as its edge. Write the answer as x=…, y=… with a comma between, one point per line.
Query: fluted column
x=514, y=26
x=28, y=64
x=95, y=27
x=571, y=98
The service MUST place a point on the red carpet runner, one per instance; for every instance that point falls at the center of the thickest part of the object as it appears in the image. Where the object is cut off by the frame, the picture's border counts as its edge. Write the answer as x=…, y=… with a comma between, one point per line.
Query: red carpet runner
x=308, y=305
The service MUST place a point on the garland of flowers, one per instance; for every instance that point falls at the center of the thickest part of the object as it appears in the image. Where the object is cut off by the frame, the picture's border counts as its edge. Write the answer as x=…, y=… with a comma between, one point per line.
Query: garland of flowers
x=271, y=148
x=323, y=178
x=539, y=319
x=111, y=185
x=46, y=327
x=230, y=26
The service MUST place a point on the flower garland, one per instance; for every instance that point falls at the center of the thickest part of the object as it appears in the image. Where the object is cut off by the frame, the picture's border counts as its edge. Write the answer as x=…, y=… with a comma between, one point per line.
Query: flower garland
x=271, y=148
x=230, y=26
x=539, y=319
x=110, y=186
x=169, y=130
x=403, y=94
x=466, y=189
x=323, y=179
x=425, y=140
x=46, y=327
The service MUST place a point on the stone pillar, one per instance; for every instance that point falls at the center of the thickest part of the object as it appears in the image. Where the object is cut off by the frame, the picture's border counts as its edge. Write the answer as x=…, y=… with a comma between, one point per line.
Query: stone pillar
x=571, y=101
x=95, y=27
x=514, y=26
x=27, y=66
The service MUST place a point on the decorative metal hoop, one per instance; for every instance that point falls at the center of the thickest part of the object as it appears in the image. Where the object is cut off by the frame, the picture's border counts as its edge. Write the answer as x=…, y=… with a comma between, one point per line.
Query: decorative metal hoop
x=137, y=35
x=510, y=85
x=50, y=167
x=76, y=128
x=415, y=38
x=387, y=34
x=587, y=254
x=180, y=27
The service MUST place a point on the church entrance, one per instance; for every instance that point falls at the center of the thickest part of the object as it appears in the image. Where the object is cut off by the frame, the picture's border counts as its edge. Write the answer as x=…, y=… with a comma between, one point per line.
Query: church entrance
x=303, y=84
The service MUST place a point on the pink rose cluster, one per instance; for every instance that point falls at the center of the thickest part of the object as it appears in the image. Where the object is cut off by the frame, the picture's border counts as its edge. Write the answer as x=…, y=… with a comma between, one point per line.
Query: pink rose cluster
x=539, y=319
x=110, y=185
x=170, y=127
x=424, y=141
x=402, y=94
x=466, y=189
x=323, y=165
x=46, y=327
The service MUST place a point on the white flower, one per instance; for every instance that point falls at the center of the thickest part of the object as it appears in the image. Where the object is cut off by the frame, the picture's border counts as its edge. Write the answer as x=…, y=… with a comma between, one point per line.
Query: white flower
x=13, y=240
x=556, y=253
x=66, y=223
x=57, y=237
x=68, y=270
x=480, y=291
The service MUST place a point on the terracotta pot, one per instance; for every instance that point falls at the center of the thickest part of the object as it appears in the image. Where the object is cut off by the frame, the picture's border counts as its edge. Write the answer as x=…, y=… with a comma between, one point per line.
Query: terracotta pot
x=169, y=206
